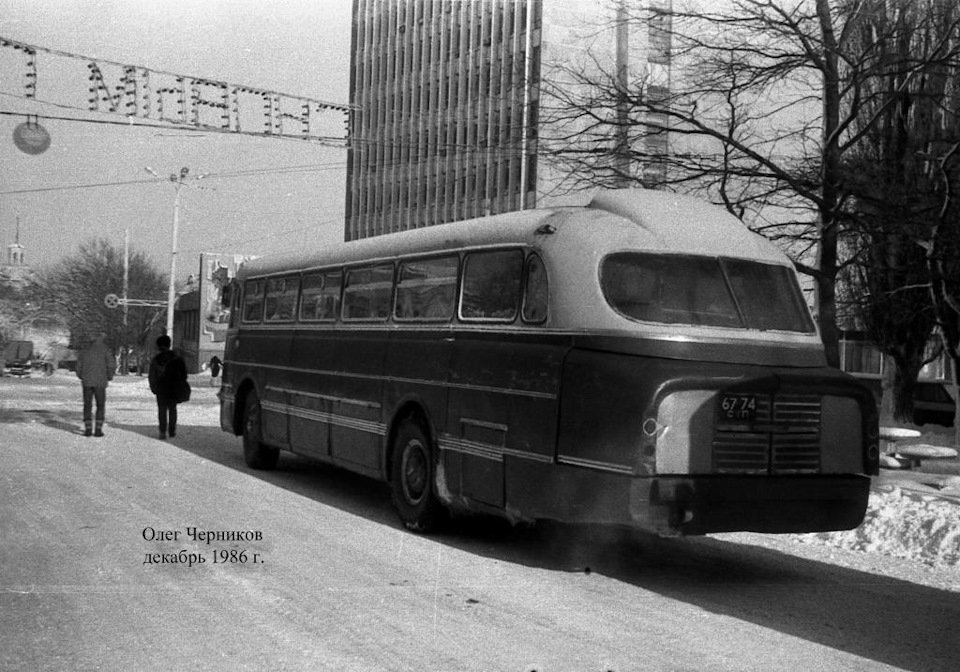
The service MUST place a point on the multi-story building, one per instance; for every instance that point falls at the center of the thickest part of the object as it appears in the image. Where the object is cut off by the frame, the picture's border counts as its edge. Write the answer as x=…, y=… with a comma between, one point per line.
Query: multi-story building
x=446, y=101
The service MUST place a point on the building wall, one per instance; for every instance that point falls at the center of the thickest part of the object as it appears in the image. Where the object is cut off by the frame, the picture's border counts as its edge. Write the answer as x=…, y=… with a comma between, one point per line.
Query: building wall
x=201, y=315
x=444, y=127
x=447, y=100
x=625, y=42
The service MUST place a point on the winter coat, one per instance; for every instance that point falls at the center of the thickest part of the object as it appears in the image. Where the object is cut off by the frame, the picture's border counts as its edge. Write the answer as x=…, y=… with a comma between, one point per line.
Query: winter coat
x=167, y=373
x=95, y=365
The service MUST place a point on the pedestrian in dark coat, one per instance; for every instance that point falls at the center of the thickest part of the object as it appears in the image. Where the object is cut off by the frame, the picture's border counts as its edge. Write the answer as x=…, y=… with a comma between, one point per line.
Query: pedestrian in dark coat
x=168, y=378
x=95, y=368
x=215, y=365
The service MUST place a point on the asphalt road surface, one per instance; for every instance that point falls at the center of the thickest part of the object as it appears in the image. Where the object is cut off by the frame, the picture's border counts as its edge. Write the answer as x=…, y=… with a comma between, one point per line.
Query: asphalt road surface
x=327, y=579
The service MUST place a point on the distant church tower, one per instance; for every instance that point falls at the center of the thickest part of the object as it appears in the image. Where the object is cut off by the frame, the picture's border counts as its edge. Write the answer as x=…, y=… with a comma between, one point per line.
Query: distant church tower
x=15, y=251
x=14, y=267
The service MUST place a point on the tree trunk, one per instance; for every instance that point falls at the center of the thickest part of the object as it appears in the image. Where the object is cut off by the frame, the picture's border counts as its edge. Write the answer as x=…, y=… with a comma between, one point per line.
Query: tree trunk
x=887, y=384
x=830, y=174
x=905, y=375
x=956, y=401
x=827, y=313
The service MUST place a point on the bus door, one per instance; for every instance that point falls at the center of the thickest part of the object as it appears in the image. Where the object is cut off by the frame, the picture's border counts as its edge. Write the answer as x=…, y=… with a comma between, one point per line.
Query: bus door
x=316, y=357
x=504, y=381
x=351, y=380
x=275, y=343
x=418, y=357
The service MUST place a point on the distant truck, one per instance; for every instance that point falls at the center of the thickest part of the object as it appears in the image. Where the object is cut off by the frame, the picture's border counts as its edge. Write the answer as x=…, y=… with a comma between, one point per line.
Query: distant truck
x=18, y=358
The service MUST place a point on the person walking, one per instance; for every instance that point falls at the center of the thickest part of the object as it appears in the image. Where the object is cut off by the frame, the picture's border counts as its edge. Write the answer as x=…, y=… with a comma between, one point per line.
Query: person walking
x=168, y=379
x=215, y=365
x=95, y=368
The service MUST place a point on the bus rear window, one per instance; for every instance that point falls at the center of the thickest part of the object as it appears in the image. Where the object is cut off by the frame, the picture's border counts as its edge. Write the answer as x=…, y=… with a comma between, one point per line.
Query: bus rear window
x=768, y=296
x=367, y=293
x=427, y=289
x=704, y=291
x=491, y=285
x=253, y=301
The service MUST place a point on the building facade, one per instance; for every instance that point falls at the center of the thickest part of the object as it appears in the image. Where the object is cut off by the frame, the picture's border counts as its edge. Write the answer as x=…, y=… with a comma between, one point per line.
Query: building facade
x=446, y=98
x=444, y=116
x=201, y=314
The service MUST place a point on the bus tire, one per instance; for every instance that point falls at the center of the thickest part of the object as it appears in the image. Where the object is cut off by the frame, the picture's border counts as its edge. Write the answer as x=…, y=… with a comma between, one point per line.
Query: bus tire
x=411, y=479
x=256, y=454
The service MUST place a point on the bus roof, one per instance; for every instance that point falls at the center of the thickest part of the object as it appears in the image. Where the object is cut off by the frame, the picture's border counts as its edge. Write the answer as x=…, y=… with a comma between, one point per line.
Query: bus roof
x=639, y=219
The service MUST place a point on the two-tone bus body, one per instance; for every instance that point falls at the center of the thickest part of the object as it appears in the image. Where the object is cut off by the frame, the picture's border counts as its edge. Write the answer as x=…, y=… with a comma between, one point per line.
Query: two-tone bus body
x=643, y=361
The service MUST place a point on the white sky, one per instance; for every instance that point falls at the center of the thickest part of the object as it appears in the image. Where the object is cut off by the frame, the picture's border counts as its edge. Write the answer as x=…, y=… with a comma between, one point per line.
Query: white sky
x=295, y=47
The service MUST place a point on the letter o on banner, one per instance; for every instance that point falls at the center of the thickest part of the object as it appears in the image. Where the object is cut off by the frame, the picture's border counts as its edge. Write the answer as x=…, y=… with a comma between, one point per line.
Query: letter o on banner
x=31, y=138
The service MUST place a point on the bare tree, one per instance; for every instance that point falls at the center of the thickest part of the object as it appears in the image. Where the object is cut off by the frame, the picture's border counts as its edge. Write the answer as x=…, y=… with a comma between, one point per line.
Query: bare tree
x=22, y=306
x=767, y=100
x=78, y=285
x=905, y=112
x=943, y=261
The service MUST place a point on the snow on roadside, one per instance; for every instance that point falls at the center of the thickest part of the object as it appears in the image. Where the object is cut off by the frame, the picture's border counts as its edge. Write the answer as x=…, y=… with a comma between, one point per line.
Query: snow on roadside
x=903, y=524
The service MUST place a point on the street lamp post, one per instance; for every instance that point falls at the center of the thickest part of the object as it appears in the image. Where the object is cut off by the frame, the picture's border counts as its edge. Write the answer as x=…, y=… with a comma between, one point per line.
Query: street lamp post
x=178, y=181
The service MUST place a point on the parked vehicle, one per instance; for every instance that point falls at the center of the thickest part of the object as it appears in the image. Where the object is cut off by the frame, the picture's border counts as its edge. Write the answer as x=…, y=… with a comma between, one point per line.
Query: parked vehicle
x=933, y=401
x=18, y=358
x=644, y=361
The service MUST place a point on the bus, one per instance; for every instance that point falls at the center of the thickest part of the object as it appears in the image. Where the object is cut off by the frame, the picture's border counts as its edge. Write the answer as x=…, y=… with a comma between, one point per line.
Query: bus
x=642, y=361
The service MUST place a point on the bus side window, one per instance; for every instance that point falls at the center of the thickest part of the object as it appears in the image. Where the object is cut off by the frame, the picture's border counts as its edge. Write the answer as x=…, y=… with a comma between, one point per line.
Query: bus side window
x=536, y=292
x=281, y=298
x=231, y=296
x=367, y=292
x=426, y=289
x=491, y=285
x=253, y=301
x=320, y=298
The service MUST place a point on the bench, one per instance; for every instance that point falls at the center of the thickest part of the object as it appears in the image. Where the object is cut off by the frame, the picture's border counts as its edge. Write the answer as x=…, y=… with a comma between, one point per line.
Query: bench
x=916, y=453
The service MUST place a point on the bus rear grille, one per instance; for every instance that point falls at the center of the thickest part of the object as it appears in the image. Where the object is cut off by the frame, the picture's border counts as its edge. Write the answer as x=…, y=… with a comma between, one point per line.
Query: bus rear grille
x=741, y=453
x=795, y=453
x=784, y=438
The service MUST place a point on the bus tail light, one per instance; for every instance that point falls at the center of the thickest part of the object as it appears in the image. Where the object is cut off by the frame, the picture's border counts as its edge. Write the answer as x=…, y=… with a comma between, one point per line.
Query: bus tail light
x=684, y=432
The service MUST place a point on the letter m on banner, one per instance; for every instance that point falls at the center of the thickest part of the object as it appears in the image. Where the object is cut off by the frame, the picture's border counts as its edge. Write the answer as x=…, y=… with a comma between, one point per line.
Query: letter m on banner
x=124, y=93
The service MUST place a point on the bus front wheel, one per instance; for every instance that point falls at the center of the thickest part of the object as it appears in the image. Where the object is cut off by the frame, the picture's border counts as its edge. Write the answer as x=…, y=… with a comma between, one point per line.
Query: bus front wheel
x=411, y=479
x=256, y=454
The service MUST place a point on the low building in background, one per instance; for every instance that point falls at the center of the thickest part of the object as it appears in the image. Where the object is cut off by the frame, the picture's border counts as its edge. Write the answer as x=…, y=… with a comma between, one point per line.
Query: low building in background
x=202, y=313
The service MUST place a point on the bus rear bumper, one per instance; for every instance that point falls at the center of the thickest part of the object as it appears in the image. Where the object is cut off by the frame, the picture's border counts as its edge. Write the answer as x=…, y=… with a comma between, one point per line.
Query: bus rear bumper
x=769, y=504
x=687, y=505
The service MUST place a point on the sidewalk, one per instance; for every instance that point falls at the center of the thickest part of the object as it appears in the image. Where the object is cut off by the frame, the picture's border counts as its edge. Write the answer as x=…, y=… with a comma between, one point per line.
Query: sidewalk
x=940, y=478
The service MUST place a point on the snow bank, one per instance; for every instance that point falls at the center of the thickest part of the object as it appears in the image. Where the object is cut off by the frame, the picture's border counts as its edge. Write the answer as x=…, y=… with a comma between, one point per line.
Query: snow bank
x=903, y=524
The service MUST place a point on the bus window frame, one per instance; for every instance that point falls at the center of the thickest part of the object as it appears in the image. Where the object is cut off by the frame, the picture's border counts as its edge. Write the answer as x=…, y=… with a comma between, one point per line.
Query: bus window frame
x=518, y=307
x=526, y=287
x=296, y=298
x=263, y=300
x=236, y=305
x=323, y=273
x=456, y=288
x=390, y=299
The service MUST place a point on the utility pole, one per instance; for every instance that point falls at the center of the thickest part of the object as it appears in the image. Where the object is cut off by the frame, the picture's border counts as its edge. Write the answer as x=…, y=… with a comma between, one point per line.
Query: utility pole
x=125, y=356
x=622, y=39
x=178, y=180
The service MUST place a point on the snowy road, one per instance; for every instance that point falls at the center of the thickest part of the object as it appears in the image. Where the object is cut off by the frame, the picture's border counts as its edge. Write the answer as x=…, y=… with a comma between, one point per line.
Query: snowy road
x=337, y=585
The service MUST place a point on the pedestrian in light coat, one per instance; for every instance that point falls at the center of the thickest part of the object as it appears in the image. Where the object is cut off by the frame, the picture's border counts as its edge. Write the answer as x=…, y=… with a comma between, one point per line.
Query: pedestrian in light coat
x=95, y=368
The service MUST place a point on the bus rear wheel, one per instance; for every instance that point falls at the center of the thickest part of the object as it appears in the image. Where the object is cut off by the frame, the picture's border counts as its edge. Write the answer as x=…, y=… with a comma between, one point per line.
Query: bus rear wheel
x=411, y=479
x=256, y=454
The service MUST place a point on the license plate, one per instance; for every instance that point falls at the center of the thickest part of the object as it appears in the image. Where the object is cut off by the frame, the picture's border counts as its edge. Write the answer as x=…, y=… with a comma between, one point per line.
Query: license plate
x=738, y=407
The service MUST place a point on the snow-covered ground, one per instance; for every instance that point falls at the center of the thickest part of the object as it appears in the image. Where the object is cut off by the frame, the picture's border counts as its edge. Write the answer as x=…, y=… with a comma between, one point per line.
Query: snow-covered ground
x=914, y=515
x=904, y=523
